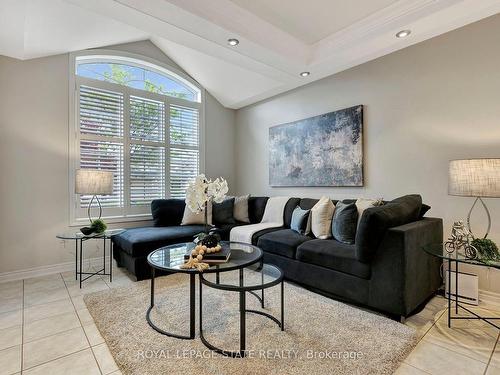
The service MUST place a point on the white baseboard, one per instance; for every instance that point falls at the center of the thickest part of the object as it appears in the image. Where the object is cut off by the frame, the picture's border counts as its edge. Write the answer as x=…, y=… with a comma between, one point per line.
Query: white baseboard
x=46, y=270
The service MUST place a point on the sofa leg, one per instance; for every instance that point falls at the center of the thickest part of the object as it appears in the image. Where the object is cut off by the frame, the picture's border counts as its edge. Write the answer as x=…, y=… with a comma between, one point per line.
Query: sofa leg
x=402, y=319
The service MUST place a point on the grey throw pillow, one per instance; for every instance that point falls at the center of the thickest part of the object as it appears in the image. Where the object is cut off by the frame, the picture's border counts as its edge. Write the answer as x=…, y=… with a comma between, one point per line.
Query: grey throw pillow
x=300, y=221
x=345, y=222
x=240, y=211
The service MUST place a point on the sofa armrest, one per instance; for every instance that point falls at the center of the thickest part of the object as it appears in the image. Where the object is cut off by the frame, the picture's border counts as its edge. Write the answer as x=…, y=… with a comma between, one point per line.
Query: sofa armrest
x=403, y=274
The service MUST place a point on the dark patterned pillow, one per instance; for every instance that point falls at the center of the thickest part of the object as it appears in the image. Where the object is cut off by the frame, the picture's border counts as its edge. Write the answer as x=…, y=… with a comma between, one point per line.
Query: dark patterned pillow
x=345, y=222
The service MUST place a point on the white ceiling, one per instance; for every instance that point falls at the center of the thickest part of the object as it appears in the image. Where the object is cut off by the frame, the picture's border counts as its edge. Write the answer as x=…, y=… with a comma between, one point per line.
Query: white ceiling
x=278, y=38
x=312, y=20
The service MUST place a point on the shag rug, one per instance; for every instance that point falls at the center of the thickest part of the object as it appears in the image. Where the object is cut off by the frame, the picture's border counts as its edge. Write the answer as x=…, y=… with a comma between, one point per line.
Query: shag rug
x=322, y=336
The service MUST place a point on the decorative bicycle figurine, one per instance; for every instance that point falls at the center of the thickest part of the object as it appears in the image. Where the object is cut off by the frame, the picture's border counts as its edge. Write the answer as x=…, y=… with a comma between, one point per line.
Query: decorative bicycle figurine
x=461, y=238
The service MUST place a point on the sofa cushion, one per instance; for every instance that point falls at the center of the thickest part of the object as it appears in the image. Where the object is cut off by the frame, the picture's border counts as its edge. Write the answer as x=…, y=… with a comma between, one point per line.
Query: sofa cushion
x=222, y=213
x=167, y=212
x=377, y=220
x=333, y=255
x=225, y=229
x=139, y=242
x=282, y=242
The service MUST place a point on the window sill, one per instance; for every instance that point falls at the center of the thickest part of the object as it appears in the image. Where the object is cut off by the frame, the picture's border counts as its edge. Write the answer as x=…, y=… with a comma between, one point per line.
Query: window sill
x=112, y=220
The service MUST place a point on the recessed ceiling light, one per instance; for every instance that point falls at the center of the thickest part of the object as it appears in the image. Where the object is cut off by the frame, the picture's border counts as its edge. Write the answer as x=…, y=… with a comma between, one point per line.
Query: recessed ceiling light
x=233, y=42
x=403, y=33
x=305, y=74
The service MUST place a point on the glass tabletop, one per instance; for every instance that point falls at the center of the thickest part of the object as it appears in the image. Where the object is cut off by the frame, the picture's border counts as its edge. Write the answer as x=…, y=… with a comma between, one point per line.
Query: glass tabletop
x=76, y=234
x=170, y=258
x=255, y=277
x=439, y=250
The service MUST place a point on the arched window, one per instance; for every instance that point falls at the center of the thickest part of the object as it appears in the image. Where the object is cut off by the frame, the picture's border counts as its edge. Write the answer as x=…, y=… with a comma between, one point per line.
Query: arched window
x=139, y=120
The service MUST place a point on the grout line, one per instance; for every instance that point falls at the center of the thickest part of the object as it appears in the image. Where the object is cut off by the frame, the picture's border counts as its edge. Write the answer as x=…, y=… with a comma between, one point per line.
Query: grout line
x=84, y=332
x=55, y=359
x=492, y=354
x=22, y=334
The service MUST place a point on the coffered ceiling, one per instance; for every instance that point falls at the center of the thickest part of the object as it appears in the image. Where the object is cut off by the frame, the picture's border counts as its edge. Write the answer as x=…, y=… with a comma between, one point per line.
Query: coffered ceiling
x=278, y=38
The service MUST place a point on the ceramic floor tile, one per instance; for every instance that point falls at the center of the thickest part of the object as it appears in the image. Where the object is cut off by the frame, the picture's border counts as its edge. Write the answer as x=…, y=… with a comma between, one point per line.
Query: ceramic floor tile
x=118, y=372
x=11, y=289
x=93, y=334
x=39, y=297
x=492, y=370
x=78, y=302
x=406, y=369
x=11, y=304
x=11, y=318
x=474, y=343
x=80, y=363
x=104, y=359
x=85, y=316
x=438, y=360
x=10, y=360
x=495, y=358
x=49, y=348
x=46, y=285
x=50, y=326
x=10, y=336
x=94, y=284
x=47, y=310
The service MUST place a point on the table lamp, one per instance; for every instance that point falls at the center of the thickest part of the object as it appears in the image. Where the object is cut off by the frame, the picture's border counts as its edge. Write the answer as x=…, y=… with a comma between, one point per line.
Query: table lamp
x=479, y=178
x=93, y=182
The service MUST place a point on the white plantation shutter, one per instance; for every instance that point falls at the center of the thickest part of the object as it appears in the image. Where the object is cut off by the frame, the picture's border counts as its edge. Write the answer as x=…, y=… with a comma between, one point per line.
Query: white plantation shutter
x=149, y=141
x=183, y=170
x=184, y=152
x=183, y=126
x=106, y=156
x=147, y=174
x=101, y=112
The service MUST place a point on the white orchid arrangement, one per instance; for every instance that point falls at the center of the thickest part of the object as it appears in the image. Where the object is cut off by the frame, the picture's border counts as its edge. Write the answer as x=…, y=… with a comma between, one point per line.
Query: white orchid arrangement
x=202, y=191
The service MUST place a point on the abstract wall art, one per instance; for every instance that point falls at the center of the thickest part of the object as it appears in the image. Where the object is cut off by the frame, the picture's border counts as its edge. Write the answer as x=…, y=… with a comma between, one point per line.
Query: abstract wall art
x=325, y=150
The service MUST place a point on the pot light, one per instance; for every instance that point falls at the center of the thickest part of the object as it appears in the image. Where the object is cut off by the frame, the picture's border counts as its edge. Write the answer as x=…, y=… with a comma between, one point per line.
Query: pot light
x=233, y=42
x=305, y=74
x=403, y=33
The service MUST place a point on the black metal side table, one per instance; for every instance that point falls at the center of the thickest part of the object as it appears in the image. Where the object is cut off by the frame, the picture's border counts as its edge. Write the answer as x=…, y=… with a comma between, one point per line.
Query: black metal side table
x=263, y=276
x=171, y=258
x=457, y=257
x=79, y=239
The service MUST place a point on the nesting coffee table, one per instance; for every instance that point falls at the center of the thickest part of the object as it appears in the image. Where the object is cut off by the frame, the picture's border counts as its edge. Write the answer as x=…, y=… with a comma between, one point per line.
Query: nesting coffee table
x=244, y=258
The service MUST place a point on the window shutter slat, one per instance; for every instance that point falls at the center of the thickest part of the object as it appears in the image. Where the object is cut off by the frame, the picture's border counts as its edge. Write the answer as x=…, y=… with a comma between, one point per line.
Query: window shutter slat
x=183, y=125
x=183, y=169
x=104, y=156
x=147, y=174
x=101, y=112
x=147, y=119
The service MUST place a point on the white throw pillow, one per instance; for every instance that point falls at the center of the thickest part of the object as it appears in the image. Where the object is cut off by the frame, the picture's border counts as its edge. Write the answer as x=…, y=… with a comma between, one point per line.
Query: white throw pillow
x=321, y=218
x=363, y=203
x=190, y=217
x=240, y=211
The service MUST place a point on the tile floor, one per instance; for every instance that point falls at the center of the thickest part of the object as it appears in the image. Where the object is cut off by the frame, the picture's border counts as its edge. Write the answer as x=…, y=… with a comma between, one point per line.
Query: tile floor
x=45, y=328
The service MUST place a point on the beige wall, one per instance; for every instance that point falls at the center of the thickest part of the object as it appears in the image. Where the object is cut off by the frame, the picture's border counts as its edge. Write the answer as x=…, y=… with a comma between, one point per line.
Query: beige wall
x=34, y=157
x=424, y=105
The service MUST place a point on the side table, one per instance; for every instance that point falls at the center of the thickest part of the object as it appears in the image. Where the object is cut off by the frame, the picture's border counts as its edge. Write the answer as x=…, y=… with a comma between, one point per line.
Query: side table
x=79, y=239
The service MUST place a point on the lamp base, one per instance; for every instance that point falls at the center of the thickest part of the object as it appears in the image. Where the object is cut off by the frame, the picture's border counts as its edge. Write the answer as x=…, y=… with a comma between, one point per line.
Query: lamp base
x=90, y=206
x=487, y=213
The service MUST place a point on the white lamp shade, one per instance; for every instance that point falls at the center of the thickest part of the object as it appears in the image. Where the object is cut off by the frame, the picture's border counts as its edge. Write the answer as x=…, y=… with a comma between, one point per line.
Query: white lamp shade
x=474, y=178
x=94, y=182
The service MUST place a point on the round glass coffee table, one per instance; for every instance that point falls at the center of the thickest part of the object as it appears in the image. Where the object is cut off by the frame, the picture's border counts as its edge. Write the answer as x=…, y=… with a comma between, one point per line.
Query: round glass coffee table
x=170, y=258
x=458, y=257
x=251, y=279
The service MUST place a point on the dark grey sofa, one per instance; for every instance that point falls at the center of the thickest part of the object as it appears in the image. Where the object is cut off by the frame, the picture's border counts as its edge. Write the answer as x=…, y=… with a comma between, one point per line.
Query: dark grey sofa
x=386, y=269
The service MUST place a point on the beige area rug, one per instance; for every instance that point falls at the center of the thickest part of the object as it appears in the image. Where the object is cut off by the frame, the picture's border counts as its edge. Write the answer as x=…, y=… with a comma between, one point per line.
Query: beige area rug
x=321, y=336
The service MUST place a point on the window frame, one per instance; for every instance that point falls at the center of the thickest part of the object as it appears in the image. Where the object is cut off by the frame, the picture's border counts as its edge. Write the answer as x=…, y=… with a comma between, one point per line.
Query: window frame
x=128, y=213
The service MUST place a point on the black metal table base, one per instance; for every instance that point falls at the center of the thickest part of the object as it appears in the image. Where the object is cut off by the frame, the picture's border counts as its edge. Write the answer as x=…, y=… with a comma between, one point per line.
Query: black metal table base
x=191, y=310
x=459, y=305
x=243, y=311
x=79, y=265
